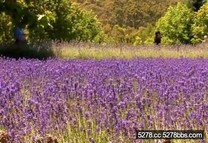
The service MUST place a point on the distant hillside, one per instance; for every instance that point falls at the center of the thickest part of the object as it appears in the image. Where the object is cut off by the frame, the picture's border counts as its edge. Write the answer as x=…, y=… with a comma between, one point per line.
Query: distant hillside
x=128, y=21
x=132, y=13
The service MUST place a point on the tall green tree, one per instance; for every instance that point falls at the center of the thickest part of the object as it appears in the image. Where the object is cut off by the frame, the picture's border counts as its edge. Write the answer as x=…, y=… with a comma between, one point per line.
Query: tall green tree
x=57, y=20
x=200, y=26
x=176, y=25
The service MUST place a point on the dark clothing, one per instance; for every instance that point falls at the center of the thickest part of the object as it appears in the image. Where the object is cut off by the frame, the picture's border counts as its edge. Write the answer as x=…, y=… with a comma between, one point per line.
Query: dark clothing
x=19, y=35
x=158, y=37
x=157, y=40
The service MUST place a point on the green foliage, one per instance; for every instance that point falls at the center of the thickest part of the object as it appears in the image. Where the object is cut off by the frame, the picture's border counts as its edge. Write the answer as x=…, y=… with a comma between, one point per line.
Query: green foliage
x=145, y=35
x=42, y=21
x=56, y=20
x=66, y=22
x=200, y=26
x=85, y=25
x=122, y=34
x=5, y=28
x=111, y=21
x=176, y=25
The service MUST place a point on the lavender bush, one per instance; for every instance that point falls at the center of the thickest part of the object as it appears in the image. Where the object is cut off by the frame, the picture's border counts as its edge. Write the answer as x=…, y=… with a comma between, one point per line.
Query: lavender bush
x=101, y=101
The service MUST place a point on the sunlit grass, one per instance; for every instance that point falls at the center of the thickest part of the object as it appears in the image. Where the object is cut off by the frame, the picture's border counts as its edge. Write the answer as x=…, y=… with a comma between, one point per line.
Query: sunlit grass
x=86, y=51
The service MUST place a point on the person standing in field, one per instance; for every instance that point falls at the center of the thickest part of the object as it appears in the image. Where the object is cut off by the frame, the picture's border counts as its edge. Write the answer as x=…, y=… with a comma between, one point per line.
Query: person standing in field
x=158, y=37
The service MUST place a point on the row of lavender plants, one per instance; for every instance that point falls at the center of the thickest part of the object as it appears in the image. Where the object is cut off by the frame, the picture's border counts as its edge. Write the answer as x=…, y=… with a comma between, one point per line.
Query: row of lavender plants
x=101, y=101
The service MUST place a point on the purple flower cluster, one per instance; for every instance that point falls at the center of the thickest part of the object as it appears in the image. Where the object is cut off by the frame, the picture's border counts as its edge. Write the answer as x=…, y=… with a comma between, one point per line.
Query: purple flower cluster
x=118, y=96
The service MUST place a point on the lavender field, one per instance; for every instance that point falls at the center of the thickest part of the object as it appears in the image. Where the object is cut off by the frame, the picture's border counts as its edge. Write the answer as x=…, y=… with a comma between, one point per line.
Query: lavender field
x=101, y=101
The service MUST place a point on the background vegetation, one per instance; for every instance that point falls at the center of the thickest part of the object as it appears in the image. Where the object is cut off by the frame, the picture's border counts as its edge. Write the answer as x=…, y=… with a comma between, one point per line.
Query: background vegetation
x=49, y=20
x=106, y=21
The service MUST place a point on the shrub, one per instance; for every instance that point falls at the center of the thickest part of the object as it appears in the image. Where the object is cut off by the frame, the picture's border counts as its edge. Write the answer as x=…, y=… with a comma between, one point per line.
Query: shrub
x=176, y=25
x=200, y=26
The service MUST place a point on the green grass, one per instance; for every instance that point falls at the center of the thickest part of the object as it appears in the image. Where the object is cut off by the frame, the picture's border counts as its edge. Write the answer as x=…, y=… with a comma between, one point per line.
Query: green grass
x=129, y=52
x=101, y=51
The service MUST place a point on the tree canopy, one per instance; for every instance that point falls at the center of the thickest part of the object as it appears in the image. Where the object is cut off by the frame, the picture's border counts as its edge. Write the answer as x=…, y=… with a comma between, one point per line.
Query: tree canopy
x=43, y=19
x=176, y=25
